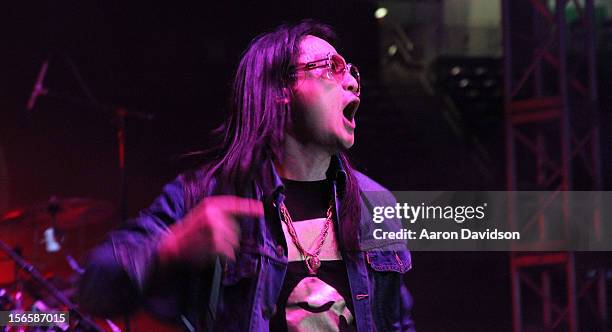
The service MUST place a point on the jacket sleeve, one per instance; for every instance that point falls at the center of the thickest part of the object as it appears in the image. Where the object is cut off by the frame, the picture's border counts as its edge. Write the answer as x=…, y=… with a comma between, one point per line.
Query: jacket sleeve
x=118, y=270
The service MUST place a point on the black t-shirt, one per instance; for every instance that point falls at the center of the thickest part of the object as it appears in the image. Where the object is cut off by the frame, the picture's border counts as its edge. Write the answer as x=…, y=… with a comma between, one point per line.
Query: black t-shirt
x=312, y=303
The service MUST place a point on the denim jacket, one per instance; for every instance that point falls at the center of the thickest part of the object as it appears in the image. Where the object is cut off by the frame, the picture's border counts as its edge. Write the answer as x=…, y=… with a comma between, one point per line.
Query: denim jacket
x=122, y=272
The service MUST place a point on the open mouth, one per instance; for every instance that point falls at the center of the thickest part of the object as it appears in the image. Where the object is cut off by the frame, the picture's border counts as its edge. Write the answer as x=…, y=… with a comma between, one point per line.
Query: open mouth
x=350, y=109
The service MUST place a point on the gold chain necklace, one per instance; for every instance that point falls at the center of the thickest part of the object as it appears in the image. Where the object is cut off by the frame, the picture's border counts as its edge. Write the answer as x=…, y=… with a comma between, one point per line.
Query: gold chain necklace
x=311, y=259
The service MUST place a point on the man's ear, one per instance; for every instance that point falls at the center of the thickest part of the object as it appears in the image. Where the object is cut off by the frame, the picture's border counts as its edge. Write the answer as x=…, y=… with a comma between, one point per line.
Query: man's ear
x=286, y=96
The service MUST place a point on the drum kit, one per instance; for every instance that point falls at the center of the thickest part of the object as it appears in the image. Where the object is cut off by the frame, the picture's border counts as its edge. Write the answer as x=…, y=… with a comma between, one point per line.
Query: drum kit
x=41, y=249
x=43, y=245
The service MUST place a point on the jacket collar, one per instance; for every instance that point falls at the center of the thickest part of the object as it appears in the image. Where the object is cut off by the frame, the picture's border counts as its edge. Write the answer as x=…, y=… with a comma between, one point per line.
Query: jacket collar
x=272, y=185
x=336, y=172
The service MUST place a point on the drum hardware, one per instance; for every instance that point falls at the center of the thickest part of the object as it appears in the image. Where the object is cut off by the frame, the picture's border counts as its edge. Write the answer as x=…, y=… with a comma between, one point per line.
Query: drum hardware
x=51, y=243
x=74, y=265
x=82, y=320
x=118, y=112
x=6, y=301
x=48, y=231
x=63, y=213
x=55, y=235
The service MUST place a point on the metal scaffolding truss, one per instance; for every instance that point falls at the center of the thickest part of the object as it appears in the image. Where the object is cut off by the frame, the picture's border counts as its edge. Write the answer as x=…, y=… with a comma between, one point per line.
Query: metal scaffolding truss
x=552, y=145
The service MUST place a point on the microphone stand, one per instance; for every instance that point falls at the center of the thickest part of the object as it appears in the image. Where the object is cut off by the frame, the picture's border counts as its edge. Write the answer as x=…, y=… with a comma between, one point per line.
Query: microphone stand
x=120, y=114
x=85, y=321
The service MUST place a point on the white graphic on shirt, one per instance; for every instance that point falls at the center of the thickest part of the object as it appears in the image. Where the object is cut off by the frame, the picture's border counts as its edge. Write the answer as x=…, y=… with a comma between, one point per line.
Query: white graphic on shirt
x=313, y=305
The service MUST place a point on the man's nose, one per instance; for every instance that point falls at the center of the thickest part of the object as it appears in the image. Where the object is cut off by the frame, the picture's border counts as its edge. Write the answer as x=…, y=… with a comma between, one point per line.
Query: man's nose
x=350, y=83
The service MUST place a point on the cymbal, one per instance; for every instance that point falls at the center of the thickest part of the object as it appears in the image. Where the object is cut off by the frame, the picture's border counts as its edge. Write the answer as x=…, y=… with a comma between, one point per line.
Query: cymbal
x=63, y=213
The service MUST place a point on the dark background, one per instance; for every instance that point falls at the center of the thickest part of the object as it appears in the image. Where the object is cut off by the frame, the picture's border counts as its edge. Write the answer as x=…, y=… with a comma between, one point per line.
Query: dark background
x=176, y=61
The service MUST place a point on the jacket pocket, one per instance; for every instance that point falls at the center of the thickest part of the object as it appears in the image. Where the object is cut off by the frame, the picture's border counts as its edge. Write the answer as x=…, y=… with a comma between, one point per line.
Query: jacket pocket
x=389, y=261
x=246, y=266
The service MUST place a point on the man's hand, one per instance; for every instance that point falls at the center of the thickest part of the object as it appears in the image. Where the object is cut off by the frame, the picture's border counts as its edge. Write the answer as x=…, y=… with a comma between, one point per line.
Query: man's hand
x=208, y=230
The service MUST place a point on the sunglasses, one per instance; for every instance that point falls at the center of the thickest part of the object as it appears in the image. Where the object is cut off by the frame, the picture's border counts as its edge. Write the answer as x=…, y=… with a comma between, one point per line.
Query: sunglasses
x=337, y=68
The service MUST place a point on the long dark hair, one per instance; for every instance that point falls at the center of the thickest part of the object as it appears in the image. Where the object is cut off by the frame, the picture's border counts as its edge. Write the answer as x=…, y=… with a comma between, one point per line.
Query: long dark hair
x=253, y=133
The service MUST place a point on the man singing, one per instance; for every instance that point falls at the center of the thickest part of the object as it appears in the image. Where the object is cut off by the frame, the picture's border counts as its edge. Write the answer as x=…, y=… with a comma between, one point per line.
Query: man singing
x=276, y=233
